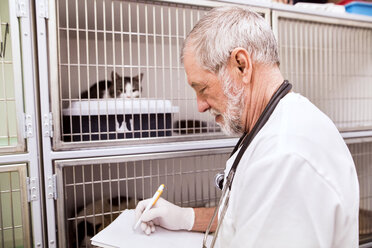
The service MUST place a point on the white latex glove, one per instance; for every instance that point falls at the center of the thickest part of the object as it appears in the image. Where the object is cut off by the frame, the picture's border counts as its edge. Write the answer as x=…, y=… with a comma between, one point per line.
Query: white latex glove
x=164, y=214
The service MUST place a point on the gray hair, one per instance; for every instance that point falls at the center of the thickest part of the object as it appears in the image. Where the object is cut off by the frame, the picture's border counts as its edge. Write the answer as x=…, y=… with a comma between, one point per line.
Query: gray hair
x=223, y=29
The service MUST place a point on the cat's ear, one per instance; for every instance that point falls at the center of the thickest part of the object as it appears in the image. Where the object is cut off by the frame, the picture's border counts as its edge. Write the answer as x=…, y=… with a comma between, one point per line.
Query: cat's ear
x=118, y=76
x=138, y=77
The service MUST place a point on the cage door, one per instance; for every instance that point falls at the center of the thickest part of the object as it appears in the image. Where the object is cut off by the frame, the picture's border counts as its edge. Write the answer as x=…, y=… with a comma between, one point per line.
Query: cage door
x=328, y=60
x=11, y=100
x=14, y=212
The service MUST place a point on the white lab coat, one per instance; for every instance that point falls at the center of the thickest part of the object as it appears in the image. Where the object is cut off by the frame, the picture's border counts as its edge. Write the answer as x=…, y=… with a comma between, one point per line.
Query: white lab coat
x=296, y=185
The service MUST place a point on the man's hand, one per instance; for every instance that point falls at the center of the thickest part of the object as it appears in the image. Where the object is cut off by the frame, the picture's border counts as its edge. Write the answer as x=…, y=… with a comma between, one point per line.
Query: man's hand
x=164, y=214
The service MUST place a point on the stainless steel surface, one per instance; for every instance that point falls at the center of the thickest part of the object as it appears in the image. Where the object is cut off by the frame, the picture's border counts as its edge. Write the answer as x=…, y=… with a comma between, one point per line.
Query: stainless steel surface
x=143, y=149
x=85, y=183
x=28, y=91
x=44, y=35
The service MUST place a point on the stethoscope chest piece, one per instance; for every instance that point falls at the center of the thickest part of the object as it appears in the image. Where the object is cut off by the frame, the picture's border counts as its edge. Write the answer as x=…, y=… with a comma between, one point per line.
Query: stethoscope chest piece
x=218, y=180
x=243, y=142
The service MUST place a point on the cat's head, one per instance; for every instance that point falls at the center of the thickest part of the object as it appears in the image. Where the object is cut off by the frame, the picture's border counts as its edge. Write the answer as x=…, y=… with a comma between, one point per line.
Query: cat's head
x=130, y=88
x=133, y=88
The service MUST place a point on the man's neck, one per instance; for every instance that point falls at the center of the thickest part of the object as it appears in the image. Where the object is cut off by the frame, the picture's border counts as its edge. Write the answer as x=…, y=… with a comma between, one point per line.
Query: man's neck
x=264, y=83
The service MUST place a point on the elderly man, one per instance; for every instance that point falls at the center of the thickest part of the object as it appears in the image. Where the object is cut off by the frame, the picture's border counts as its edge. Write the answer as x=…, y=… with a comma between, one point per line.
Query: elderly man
x=295, y=185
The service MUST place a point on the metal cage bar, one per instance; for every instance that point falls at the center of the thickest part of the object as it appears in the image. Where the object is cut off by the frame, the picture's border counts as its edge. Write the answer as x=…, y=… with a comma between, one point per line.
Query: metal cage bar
x=327, y=60
x=11, y=101
x=362, y=155
x=94, y=192
x=14, y=218
x=148, y=36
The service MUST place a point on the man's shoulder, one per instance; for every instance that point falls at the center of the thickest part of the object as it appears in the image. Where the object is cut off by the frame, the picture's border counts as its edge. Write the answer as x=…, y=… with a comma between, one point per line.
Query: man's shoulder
x=296, y=120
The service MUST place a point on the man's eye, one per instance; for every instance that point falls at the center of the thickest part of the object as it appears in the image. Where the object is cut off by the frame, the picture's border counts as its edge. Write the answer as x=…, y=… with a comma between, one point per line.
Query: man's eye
x=202, y=90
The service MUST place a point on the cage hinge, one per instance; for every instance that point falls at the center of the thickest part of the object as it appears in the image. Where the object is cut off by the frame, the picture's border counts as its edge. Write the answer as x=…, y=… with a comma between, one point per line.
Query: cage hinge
x=44, y=9
x=48, y=125
x=32, y=189
x=22, y=8
x=52, y=187
x=29, y=130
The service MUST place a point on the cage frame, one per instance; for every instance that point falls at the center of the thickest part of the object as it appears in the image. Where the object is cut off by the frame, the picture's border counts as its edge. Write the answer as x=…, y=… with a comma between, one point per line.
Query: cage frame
x=311, y=18
x=22, y=172
x=21, y=23
x=51, y=151
x=59, y=165
x=15, y=40
x=58, y=143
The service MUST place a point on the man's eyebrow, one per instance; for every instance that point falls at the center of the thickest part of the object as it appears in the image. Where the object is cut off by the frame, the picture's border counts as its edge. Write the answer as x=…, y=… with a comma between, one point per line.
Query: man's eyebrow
x=193, y=84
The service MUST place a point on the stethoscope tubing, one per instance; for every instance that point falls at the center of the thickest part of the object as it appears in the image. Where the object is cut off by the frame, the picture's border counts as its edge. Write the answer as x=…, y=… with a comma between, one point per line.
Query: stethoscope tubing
x=243, y=142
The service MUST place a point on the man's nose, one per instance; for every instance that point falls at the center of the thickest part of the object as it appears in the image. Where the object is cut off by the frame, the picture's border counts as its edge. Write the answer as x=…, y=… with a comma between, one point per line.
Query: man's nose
x=202, y=105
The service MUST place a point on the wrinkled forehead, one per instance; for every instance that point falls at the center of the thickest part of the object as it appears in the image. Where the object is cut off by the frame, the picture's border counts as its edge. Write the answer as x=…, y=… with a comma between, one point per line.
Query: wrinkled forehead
x=194, y=71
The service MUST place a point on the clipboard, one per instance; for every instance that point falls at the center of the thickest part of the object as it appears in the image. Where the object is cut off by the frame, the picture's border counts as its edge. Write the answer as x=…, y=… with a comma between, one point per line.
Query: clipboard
x=120, y=234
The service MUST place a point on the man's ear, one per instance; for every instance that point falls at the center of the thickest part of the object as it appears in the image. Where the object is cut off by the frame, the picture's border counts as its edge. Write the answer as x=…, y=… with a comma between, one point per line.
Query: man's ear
x=241, y=64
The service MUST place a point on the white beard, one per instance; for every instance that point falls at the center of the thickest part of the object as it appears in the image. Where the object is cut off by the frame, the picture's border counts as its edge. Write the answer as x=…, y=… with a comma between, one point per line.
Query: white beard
x=235, y=104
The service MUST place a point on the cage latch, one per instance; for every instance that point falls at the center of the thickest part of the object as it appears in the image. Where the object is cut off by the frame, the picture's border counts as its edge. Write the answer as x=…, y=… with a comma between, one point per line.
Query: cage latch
x=22, y=8
x=52, y=187
x=43, y=9
x=29, y=132
x=32, y=189
x=48, y=125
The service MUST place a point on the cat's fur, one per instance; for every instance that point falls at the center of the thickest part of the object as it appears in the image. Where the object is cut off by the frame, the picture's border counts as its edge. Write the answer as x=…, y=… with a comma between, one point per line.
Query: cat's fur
x=87, y=227
x=123, y=87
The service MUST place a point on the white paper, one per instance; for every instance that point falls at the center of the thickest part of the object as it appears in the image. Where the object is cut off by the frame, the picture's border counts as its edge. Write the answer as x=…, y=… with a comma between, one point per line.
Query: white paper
x=120, y=234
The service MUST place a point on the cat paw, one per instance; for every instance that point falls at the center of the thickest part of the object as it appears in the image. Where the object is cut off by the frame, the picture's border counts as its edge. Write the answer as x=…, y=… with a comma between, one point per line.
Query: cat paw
x=122, y=127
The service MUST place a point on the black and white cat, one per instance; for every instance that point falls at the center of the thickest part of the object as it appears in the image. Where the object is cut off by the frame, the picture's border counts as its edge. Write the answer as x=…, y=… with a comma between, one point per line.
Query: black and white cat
x=123, y=88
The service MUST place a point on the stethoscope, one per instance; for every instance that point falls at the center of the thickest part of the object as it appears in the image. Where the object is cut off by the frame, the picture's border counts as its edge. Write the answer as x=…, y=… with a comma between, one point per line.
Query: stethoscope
x=243, y=144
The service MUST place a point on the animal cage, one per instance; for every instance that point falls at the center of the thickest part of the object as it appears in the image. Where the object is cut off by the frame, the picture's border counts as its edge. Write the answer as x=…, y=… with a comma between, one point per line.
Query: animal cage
x=328, y=60
x=10, y=130
x=93, y=192
x=106, y=50
x=109, y=47
x=14, y=223
x=362, y=155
